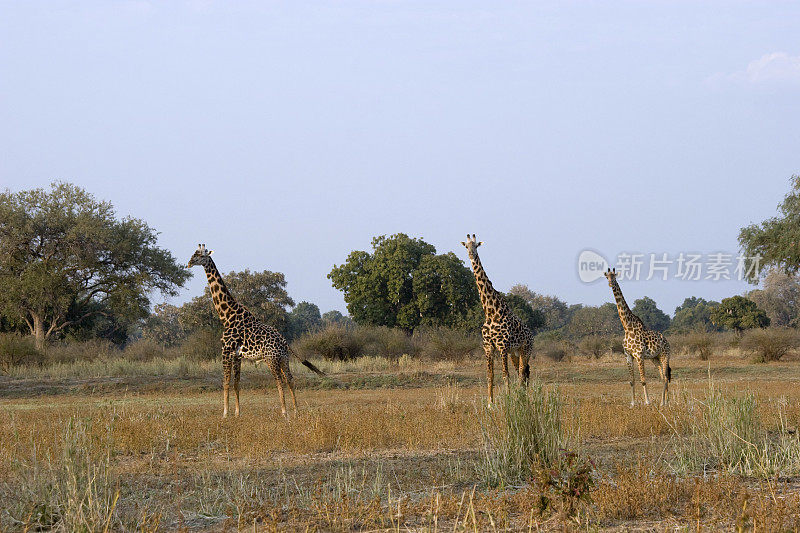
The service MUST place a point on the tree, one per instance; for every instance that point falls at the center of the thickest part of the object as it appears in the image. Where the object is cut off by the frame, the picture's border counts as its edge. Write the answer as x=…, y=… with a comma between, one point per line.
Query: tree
x=404, y=284
x=303, y=318
x=651, y=316
x=262, y=293
x=164, y=326
x=65, y=258
x=335, y=317
x=739, y=313
x=589, y=320
x=694, y=314
x=776, y=241
x=780, y=298
x=556, y=312
x=533, y=318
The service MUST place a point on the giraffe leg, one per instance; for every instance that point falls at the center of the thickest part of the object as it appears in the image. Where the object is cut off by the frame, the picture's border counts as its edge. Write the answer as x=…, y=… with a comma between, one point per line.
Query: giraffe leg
x=227, y=362
x=287, y=375
x=663, y=367
x=237, y=371
x=640, y=362
x=524, y=365
x=487, y=350
x=629, y=361
x=504, y=355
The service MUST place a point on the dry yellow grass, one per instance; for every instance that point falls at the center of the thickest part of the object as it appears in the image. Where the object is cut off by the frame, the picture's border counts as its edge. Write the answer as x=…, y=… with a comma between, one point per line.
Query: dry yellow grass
x=384, y=458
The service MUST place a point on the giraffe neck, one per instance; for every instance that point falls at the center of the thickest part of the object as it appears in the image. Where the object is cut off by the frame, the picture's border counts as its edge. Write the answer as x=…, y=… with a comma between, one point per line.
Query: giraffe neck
x=224, y=303
x=490, y=299
x=626, y=316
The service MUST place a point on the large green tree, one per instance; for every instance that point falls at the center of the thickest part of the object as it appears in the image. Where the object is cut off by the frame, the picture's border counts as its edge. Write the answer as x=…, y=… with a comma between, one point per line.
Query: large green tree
x=66, y=257
x=651, y=316
x=739, y=313
x=304, y=317
x=776, y=241
x=403, y=283
x=533, y=318
x=694, y=314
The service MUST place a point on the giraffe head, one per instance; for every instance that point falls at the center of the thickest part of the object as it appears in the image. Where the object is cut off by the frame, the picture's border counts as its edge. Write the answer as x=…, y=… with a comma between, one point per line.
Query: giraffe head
x=611, y=276
x=471, y=245
x=200, y=257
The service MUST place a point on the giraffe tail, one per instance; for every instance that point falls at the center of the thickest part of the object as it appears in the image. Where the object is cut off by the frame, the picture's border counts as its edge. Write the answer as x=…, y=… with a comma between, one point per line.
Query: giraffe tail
x=308, y=364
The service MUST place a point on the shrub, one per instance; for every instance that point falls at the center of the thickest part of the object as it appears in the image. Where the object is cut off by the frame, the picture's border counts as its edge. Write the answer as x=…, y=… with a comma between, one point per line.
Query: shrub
x=335, y=342
x=73, y=351
x=552, y=348
x=593, y=345
x=615, y=344
x=17, y=350
x=700, y=343
x=386, y=342
x=204, y=344
x=769, y=344
x=447, y=344
x=144, y=350
x=521, y=433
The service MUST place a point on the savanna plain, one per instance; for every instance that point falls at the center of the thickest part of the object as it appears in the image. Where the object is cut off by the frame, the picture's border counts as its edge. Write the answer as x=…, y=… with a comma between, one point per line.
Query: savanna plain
x=402, y=444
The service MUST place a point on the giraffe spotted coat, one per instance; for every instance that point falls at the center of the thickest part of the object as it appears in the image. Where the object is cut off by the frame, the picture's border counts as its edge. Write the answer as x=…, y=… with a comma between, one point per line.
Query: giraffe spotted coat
x=502, y=330
x=246, y=336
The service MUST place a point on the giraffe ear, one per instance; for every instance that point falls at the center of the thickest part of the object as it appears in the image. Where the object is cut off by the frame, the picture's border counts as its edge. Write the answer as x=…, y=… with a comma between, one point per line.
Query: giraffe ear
x=463, y=243
x=210, y=252
x=480, y=243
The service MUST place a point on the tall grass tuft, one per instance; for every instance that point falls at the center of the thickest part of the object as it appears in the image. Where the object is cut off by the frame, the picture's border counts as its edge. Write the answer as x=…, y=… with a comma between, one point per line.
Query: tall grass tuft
x=522, y=432
x=729, y=437
x=74, y=492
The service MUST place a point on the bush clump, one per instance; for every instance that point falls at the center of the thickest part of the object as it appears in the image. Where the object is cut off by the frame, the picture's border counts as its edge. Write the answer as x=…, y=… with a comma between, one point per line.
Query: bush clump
x=769, y=344
x=18, y=350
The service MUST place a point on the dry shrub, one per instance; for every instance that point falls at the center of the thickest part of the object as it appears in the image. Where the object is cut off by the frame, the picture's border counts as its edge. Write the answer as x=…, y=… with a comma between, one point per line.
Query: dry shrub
x=448, y=344
x=18, y=350
x=552, y=348
x=144, y=350
x=593, y=346
x=74, y=351
x=205, y=344
x=769, y=344
x=700, y=343
x=334, y=342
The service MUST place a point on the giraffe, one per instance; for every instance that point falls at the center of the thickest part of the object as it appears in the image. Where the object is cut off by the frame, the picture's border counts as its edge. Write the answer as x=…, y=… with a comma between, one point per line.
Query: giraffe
x=501, y=330
x=640, y=343
x=245, y=336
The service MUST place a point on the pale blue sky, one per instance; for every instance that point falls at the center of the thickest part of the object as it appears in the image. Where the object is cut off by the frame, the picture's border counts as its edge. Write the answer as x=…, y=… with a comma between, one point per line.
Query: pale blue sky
x=285, y=135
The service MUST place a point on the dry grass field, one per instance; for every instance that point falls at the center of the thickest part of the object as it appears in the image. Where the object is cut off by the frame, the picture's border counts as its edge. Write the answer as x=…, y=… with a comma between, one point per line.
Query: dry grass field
x=395, y=446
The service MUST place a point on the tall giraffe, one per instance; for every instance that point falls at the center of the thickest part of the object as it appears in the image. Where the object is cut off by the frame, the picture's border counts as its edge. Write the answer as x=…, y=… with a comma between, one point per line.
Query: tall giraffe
x=245, y=336
x=640, y=343
x=501, y=330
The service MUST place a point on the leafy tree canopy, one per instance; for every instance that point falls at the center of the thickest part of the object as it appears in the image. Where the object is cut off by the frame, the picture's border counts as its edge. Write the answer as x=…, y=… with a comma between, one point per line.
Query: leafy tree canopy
x=651, y=316
x=780, y=298
x=777, y=239
x=65, y=258
x=304, y=317
x=403, y=283
x=739, y=313
x=533, y=318
x=589, y=320
x=555, y=311
x=694, y=314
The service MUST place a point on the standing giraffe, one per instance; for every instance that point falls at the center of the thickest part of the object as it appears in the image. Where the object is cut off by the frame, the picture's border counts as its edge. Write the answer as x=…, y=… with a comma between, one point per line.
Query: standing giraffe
x=640, y=343
x=502, y=330
x=245, y=336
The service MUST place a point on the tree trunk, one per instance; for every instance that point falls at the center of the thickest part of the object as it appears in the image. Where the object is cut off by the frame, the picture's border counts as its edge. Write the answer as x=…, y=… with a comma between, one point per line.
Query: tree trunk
x=38, y=332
